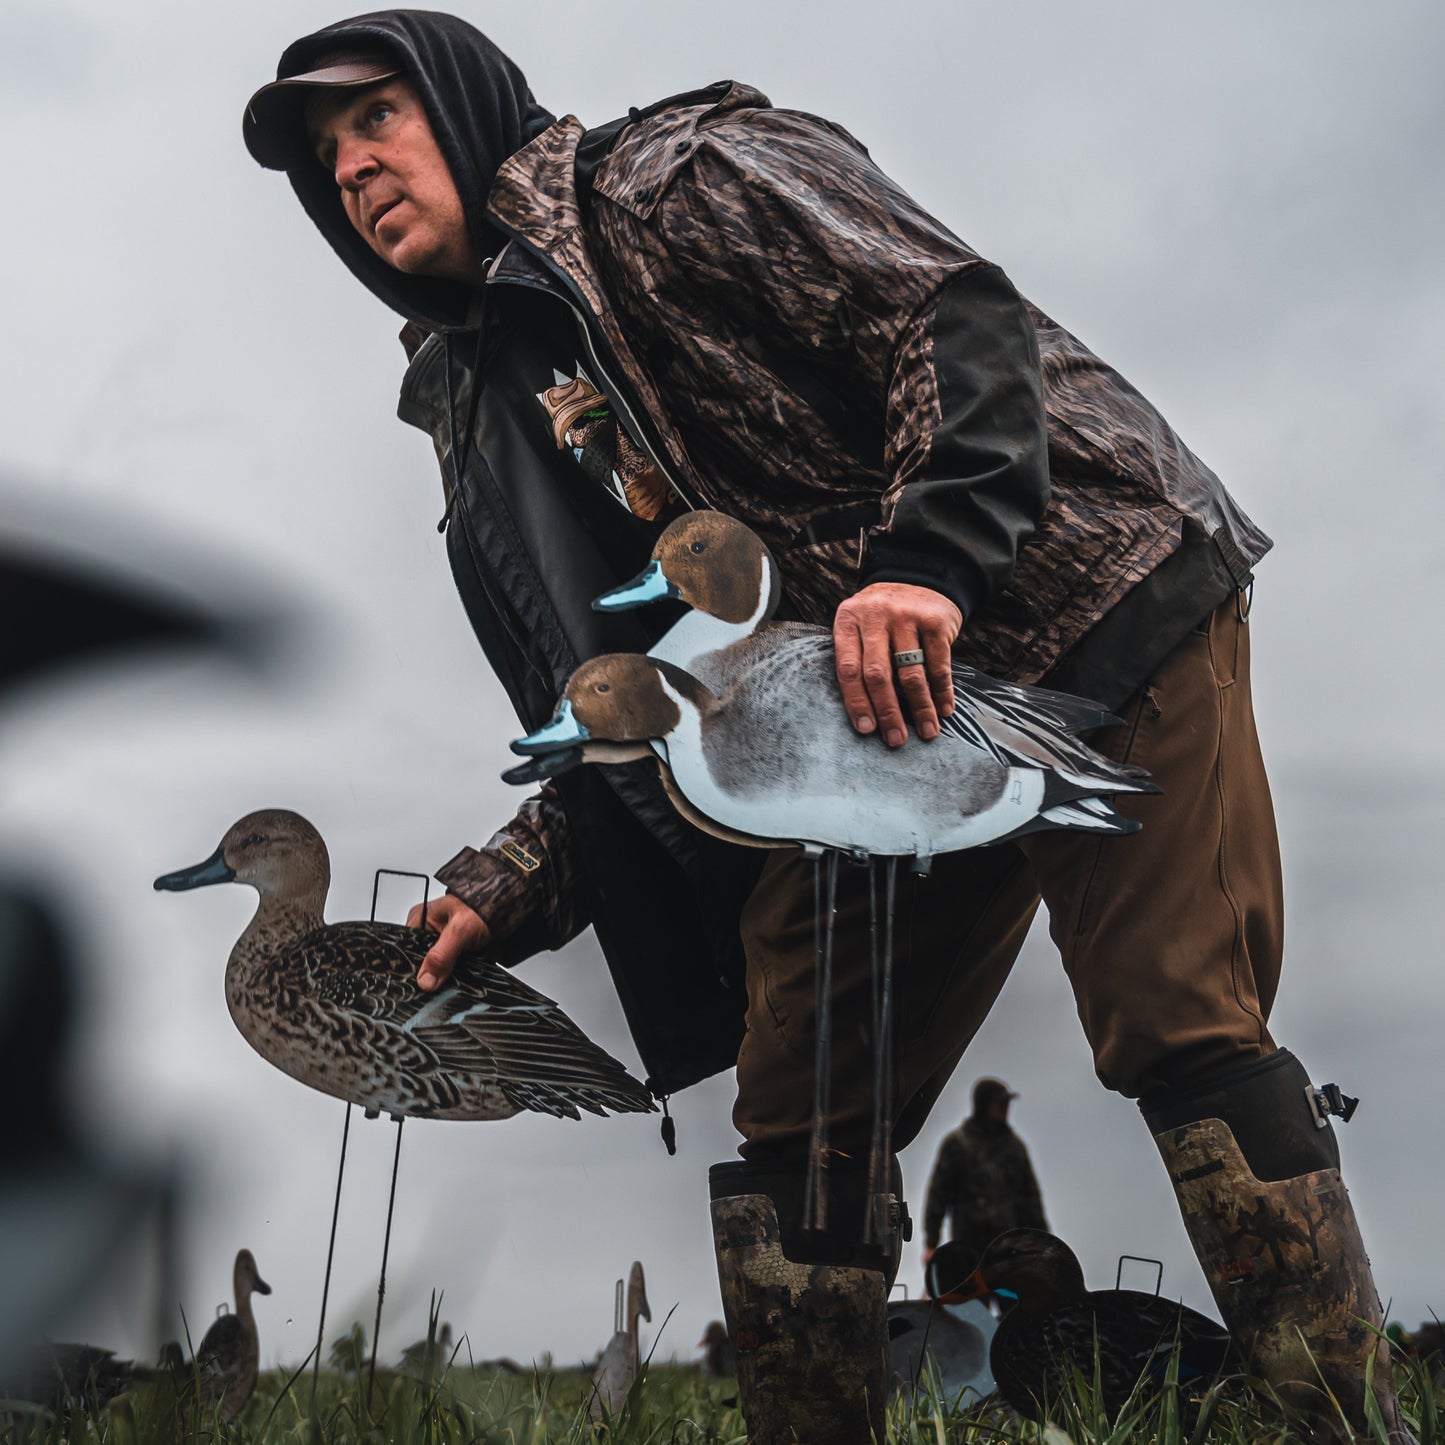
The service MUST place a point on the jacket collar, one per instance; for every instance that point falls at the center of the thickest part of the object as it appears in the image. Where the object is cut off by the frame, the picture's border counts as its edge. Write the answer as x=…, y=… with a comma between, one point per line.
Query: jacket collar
x=535, y=199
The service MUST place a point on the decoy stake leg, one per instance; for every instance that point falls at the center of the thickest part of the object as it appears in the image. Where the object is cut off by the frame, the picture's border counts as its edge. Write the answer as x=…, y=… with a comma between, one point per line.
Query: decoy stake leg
x=330, y=1253
x=385, y=1251
x=815, y=1197
x=877, y=1219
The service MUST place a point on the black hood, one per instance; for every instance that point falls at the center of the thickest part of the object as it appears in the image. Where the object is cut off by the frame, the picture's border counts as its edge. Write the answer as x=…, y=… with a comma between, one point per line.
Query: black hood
x=481, y=111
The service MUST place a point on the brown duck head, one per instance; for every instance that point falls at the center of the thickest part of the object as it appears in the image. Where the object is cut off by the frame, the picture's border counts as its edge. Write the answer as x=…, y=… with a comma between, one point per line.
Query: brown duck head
x=276, y=851
x=711, y=562
x=1031, y=1266
x=247, y=1278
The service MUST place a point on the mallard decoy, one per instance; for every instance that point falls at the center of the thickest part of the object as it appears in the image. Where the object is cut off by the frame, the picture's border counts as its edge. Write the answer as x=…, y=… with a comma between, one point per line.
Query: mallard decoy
x=956, y=1336
x=229, y=1355
x=1050, y=1332
x=347, y=1353
x=617, y=1368
x=338, y=1007
x=428, y=1359
x=774, y=757
x=718, y=1361
x=64, y=1377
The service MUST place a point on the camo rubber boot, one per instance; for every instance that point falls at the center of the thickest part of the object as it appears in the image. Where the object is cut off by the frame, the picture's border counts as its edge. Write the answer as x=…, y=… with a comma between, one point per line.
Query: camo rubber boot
x=1256, y=1169
x=807, y=1312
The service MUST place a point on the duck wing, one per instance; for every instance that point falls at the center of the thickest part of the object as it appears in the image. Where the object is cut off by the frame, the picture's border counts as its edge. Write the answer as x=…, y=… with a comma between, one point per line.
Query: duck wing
x=484, y=1027
x=1034, y=727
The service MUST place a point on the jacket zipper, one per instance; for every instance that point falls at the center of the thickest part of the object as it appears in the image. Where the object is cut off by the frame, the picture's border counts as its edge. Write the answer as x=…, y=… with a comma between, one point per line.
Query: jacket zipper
x=616, y=393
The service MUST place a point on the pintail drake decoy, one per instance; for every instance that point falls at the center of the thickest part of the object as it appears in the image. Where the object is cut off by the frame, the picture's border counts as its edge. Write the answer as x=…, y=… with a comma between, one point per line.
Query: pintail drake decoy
x=617, y=1368
x=1047, y=1338
x=773, y=757
x=725, y=574
x=338, y=1007
x=229, y=1355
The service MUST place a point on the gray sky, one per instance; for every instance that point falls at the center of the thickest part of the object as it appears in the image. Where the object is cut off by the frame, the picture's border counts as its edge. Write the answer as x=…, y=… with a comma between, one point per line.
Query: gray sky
x=1237, y=205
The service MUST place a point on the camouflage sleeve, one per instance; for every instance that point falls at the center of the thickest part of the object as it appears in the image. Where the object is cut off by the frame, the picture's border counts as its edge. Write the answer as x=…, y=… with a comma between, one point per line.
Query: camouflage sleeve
x=524, y=882
x=943, y=1186
x=787, y=216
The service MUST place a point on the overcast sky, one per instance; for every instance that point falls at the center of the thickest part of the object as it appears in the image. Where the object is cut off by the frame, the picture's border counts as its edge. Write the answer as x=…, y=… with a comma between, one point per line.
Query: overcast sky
x=1239, y=206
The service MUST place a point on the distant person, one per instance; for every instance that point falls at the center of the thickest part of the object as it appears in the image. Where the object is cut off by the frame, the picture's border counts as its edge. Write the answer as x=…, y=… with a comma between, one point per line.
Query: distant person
x=982, y=1178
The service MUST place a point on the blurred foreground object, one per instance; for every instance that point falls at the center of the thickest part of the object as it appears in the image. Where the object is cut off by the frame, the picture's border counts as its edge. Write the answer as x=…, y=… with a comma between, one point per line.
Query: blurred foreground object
x=77, y=588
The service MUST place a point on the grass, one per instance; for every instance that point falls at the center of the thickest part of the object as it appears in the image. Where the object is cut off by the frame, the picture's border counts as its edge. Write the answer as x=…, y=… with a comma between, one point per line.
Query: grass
x=669, y=1405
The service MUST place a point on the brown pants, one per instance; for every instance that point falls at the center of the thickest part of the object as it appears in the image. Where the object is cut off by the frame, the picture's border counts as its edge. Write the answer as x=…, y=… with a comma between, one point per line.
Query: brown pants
x=1171, y=937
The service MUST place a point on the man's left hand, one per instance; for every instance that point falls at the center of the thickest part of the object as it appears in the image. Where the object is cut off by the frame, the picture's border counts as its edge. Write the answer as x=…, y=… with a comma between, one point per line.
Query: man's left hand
x=870, y=627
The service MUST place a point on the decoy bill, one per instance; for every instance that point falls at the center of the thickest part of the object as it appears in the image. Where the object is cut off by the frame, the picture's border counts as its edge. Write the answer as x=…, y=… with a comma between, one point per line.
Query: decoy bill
x=1051, y=1332
x=337, y=1005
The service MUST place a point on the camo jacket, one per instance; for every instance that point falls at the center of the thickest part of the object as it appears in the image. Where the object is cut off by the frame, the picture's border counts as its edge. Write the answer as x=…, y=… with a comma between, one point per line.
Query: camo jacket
x=795, y=341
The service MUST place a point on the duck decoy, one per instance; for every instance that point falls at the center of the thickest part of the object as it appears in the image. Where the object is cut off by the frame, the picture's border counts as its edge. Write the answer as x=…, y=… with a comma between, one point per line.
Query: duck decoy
x=1053, y=1326
x=63, y=1377
x=427, y=1359
x=229, y=1355
x=718, y=1361
x=338, y=1007
x=956, y=1336
x=617, y=1368
x=773, y=758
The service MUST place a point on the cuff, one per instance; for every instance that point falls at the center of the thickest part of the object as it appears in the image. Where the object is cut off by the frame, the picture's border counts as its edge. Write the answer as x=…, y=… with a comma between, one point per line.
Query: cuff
x=885, y=561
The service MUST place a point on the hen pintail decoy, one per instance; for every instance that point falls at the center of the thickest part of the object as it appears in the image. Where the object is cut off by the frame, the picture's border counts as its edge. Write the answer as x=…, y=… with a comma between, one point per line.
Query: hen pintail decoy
x=229, y=1355
x=1048, y=1336
x=338, y=1006
x=617, y=1369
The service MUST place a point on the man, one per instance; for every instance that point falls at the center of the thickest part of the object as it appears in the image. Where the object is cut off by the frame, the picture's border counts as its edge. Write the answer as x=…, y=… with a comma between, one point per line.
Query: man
x=712, y=302
x=982, y=1180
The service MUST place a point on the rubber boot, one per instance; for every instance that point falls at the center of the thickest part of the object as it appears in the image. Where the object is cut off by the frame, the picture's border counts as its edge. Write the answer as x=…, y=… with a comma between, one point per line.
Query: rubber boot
x=1256, y=1168
x=807, y=1310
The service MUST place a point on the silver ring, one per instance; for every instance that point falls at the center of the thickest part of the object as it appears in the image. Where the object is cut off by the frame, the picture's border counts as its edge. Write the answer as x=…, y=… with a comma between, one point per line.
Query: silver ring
x=908, y=659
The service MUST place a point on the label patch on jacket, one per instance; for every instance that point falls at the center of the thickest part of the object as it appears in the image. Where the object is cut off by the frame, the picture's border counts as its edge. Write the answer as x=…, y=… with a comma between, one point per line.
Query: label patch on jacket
x=519, y=855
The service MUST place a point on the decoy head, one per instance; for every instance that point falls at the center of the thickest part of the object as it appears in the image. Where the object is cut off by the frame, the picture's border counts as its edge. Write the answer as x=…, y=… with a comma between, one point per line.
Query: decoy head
x=277, y=852
x=637, y=1293
x=714, y=1336
x=619, y=697
x=247, y=1277
x=711, y=562
x=1030, y=1266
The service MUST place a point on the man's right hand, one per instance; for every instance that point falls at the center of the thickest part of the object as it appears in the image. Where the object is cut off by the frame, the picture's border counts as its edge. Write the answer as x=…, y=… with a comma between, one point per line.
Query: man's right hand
x=459, y=930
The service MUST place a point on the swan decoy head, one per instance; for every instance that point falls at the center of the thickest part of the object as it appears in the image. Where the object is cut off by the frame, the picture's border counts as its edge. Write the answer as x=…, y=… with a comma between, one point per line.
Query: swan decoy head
x=711, y=562
x=619, y=697
x=276, y=851
x=247, y=1277
x=1028, y=1265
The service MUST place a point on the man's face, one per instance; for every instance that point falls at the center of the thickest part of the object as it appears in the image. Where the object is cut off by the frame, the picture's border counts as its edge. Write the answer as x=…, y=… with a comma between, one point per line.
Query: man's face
x=396, y=188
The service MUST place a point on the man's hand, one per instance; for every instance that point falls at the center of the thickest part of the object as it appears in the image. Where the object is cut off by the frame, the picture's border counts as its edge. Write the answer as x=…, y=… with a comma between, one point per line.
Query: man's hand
x=459, y=931
x=872, y=625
